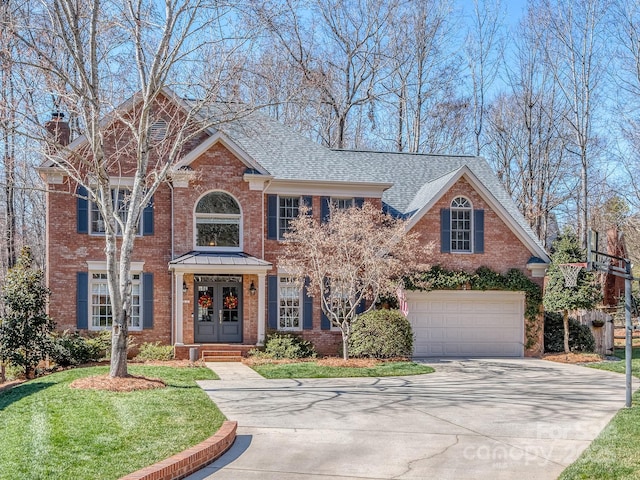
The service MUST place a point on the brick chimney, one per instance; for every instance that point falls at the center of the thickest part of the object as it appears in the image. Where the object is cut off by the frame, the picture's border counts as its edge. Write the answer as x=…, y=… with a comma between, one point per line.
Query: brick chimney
x=58, y=129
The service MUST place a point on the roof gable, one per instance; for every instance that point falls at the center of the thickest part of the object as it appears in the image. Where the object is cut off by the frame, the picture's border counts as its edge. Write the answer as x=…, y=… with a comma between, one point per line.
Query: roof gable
x=516, y=223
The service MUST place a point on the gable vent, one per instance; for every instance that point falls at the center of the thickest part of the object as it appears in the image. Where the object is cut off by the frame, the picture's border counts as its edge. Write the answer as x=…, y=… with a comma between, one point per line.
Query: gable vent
x=158, y=130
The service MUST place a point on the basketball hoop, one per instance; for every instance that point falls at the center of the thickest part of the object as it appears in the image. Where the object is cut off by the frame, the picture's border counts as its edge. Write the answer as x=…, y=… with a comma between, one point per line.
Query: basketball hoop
x=570, y=273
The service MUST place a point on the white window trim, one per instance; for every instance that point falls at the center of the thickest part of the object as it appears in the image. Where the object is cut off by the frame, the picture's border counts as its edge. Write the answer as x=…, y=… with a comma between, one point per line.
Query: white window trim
x=100, y=267
x=119, y=183
x=240, y=218
x=299, y=197
x=333, y=201
x=300, y=308
x=471, y=235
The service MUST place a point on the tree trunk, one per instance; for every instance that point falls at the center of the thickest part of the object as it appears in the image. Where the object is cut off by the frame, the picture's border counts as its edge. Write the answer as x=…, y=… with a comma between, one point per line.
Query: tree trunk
x=345, y=346
x=119, y=347
x=3, y=373
x=565, y=323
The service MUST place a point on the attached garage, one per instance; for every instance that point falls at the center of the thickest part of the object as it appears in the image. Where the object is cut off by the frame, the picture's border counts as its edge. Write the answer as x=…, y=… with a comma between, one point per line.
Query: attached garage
x=466, y=323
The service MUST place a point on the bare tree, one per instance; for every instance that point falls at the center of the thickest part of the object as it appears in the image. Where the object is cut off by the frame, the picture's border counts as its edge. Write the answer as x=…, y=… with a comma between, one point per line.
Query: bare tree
x=576, y=55
x=527, y=135
x=420, y=90
x=94, y=53
x=357, y=256
x=339, y=48
x=484, y=46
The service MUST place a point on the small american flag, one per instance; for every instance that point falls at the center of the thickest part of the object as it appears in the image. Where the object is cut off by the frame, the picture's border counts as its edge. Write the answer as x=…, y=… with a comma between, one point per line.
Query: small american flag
x=402, y=301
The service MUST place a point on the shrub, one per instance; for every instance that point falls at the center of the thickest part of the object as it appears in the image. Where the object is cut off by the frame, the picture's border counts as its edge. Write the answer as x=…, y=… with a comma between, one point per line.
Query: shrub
x=155, y=351
x=285, y=345
x=74, y=349
x=381, y=334
x=580, y=336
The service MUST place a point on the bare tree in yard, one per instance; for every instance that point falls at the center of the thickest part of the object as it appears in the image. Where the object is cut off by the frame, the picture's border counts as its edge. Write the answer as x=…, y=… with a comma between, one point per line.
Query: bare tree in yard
x=527, y=135
x=8, y=132
x=484, y=46
x=420, y=90
x=94, y=53
x=338, y=46
x=577, y=58
x=356, y=256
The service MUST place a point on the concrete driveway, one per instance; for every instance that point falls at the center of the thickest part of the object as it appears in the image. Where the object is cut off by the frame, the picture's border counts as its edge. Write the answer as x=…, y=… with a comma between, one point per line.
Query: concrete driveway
x=472, y=419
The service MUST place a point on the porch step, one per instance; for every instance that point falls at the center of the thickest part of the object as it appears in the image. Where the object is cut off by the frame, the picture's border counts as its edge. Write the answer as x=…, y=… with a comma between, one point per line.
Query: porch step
x=221, y=356
x=214, y=352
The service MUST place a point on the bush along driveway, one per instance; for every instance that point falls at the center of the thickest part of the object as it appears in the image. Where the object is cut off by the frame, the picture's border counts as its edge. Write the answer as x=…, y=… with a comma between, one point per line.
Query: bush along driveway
x=475, y=419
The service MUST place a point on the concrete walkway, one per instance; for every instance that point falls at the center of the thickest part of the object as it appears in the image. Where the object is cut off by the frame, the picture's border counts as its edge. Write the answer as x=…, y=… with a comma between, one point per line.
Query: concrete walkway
x=234, y=371
x=471, y=420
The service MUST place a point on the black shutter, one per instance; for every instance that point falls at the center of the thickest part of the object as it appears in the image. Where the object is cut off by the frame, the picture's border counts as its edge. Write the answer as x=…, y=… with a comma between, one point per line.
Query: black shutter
x=272, y=217
x=272, y=291
x=82, y=300
x=358, y=202
x=325, y=324
x=445, y=230
x=147, y=219
x=82, y=210
x=307, y=307
x=478, y=231
x=325, y=210
x=147, y=300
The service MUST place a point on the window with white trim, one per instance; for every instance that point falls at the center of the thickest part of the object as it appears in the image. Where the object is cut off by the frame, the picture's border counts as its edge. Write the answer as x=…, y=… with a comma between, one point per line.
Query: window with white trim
x=289, y=304
x=461, y=228
x=100, y=317
x=218, y=219
x=288, y=210
x=342, y=203
x=120, y=197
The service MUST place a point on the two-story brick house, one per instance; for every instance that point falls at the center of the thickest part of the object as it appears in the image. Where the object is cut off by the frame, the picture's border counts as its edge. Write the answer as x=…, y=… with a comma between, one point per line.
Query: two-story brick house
x=206, y=259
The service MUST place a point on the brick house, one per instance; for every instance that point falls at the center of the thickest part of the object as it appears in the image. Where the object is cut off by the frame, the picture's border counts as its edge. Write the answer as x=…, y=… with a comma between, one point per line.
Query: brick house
x=206, y=259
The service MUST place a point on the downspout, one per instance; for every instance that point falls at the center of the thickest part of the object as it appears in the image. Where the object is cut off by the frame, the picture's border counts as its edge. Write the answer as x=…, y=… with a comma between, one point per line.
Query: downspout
x=173, y=283
x=264, y=192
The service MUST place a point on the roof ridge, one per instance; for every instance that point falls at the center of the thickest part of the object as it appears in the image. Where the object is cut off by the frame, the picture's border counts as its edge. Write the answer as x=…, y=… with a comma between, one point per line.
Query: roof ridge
x=415, y=154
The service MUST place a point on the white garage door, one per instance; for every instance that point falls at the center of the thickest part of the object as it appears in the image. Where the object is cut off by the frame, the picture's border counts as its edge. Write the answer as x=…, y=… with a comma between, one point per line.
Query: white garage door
x=467, y=323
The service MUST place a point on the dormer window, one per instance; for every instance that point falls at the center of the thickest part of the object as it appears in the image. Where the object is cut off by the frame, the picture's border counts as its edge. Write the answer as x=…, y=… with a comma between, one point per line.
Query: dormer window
x=218, y=221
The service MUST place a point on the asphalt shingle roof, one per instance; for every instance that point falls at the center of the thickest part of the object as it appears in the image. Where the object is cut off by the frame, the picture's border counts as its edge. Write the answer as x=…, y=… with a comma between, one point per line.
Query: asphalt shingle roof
x=416, y=178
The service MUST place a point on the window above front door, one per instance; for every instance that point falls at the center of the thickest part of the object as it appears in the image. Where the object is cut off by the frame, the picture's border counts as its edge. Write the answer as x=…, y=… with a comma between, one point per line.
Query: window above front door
x=218, y=223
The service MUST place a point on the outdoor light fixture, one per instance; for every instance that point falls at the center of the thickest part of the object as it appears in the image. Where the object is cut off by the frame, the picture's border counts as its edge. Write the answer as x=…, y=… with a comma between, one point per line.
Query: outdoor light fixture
x=184, y=287
x=252, y=288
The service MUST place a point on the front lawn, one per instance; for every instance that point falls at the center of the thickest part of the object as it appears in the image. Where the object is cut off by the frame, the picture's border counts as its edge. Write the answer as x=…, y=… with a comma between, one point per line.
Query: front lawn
x=615, y=453
x=315, y=370
x=52, y=431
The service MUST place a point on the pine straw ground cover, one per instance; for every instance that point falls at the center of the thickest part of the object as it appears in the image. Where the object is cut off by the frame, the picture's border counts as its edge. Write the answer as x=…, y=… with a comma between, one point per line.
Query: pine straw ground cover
x=333, y=367
x=51, y=430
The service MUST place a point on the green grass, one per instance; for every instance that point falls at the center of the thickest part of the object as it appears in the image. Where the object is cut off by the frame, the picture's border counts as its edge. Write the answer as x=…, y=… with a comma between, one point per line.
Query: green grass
x=615, y=453
x=313, y=370
x=52, y=431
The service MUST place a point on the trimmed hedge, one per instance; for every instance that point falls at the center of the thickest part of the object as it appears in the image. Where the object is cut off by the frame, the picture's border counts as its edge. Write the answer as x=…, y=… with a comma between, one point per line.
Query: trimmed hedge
x=580, y=336
x=381, y=334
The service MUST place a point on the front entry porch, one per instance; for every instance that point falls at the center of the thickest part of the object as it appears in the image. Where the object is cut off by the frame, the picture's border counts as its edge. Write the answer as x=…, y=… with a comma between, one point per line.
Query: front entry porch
x=219, y=300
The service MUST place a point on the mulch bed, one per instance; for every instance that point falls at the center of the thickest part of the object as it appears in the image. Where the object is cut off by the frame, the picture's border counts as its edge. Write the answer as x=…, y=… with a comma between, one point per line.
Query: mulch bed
x=573, y=357
x=127, y=384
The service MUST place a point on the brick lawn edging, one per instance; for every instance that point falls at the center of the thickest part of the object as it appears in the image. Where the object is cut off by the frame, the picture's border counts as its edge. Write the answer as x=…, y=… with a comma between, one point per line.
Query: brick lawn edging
x=192, y=459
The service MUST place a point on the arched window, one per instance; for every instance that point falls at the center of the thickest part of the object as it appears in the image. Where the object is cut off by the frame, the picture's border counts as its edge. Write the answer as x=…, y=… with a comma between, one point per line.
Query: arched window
x=461, y=228
x=218, y=221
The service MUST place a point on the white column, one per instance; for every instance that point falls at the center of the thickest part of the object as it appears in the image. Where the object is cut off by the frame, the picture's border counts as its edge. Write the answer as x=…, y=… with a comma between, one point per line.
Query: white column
x=261, y=308
x=179, y=308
